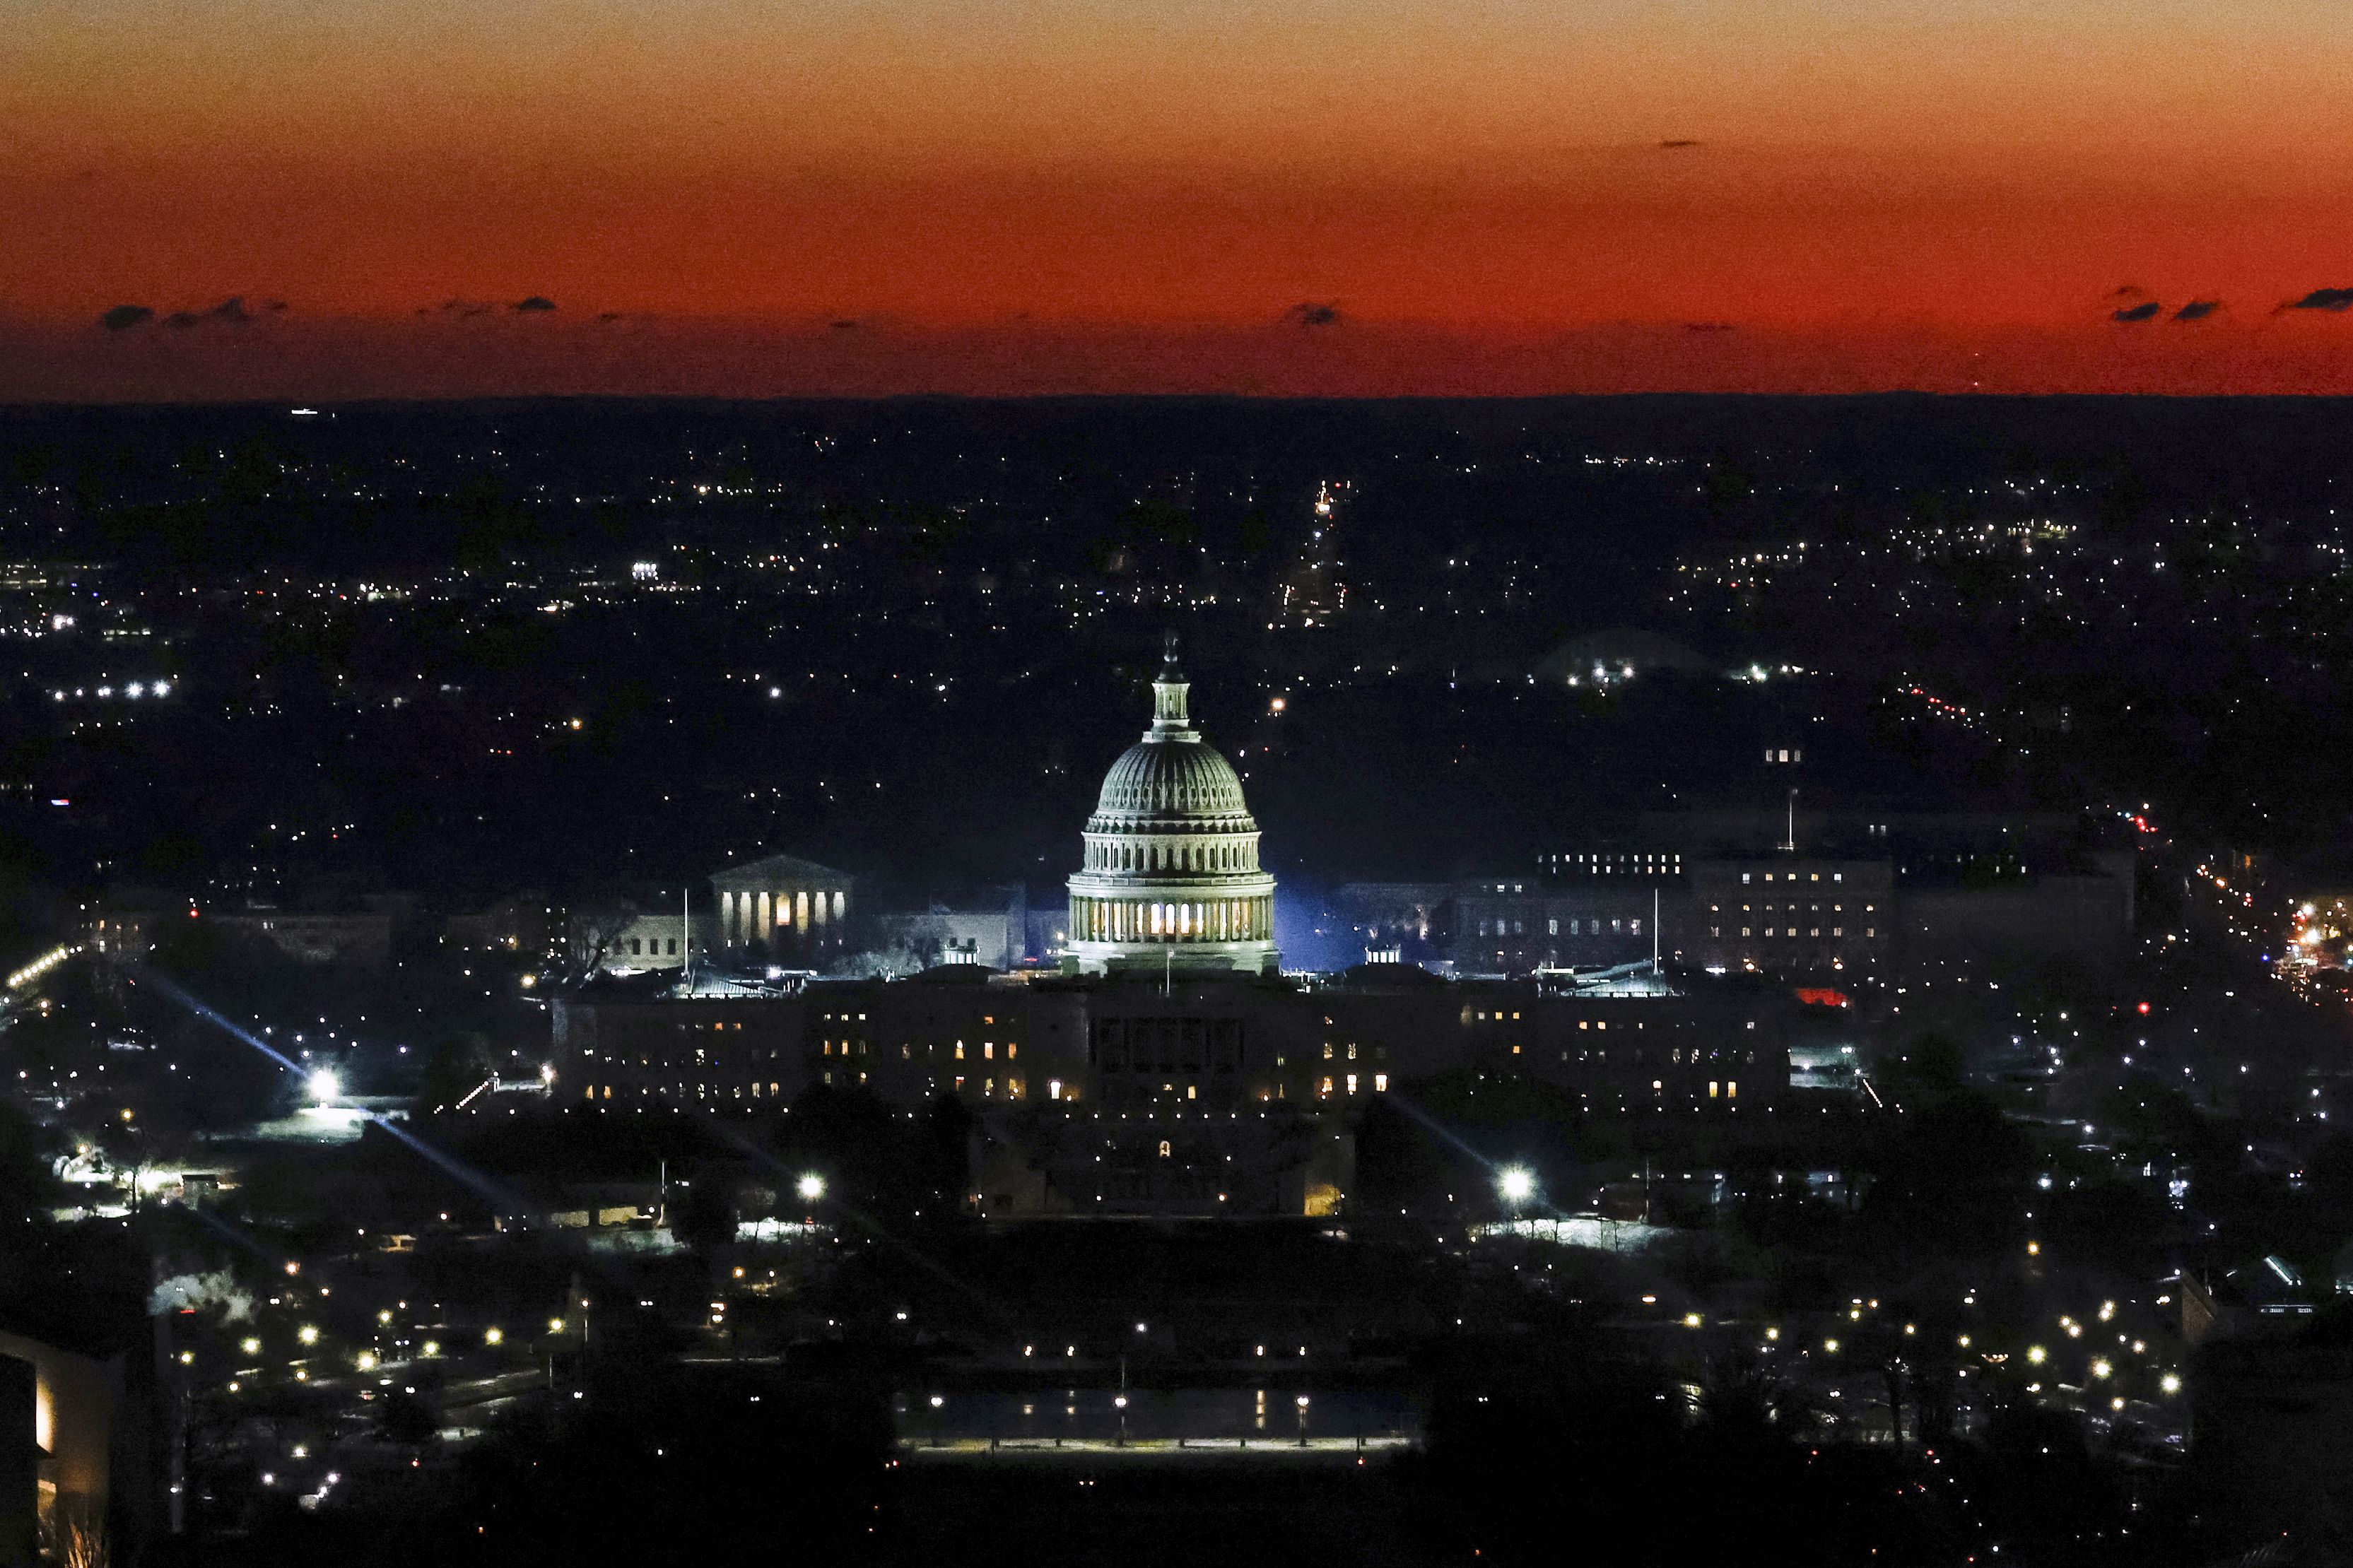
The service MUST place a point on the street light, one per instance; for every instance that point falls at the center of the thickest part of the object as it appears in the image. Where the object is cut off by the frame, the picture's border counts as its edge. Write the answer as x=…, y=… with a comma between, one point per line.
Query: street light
x=811, y=1186
x=324, y=1086
x=1517, y=1183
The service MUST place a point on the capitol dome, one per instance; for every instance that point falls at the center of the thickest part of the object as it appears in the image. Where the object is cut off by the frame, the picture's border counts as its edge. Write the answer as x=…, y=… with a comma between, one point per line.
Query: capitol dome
x=1154, y=780
x=1170, y=874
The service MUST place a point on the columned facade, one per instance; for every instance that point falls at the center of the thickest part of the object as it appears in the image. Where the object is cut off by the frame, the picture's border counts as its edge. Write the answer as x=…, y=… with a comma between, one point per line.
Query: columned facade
x=1170, y=874
x=777, y=908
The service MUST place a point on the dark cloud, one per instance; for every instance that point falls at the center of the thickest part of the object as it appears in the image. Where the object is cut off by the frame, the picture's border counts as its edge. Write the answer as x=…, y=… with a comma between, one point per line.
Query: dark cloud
x=2127, y=291
x=1309, y=315
x=1678, y=142
x=2196, y=310
x=847, y=325
x=232, y=312
x=2146, y=311
x=2323, y=299
x=608, y=315
x=534, y=305
x=1707, y=326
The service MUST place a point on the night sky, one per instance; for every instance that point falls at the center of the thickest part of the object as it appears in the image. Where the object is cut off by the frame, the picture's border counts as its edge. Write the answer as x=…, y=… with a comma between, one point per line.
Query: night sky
x=267, y=197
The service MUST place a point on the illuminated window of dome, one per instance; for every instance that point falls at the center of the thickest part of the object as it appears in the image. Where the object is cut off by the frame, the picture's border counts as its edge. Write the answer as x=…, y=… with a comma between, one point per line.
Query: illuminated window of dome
x=1171, y=878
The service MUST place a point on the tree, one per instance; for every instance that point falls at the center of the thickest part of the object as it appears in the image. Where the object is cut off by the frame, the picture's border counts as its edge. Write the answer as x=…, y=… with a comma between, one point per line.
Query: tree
x=703, y=1215
x=1952, y=1175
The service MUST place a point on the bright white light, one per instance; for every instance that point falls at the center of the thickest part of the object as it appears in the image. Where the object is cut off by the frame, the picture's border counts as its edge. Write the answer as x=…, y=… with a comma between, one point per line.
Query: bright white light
x=811, y=1186
x=1517, y=1185
x=324, y=1086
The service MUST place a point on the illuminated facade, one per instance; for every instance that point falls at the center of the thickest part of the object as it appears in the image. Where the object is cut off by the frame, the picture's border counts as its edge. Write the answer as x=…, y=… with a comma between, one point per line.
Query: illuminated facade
x=1170, y=877
x=780, y=908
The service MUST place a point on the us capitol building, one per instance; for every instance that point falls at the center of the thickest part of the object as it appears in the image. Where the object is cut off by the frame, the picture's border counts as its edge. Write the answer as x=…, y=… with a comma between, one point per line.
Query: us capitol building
x=1165, y=1064
x=1170, y=878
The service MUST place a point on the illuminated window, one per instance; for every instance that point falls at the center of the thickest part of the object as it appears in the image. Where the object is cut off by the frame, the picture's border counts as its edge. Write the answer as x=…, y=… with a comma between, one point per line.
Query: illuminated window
x=1381, y=1083
x=1711, y=1088
x=1352, y=1083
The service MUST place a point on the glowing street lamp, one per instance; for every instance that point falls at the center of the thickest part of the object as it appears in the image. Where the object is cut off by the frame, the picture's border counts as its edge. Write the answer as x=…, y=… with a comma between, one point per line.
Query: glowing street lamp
x=811, y=1187
x=324, y=1086
x=1517, y=1183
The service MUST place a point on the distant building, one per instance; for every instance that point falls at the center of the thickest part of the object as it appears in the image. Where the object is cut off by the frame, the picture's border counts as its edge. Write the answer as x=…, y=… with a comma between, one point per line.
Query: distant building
x=361, y=938
x=1188, y=1045
x=781, y=908
x=83, y=1457
x=989, y=926
x=1866, y=894
x=1791, y=916
x=625, y=941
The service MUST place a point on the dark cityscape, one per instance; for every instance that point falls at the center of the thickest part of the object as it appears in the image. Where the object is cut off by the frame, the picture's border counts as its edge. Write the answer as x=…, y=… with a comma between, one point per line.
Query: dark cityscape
x=1667, y=979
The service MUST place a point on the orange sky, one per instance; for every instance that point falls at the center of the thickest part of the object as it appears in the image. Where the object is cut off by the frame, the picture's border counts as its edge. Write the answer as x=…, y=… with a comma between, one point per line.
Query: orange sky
x=1002, y=194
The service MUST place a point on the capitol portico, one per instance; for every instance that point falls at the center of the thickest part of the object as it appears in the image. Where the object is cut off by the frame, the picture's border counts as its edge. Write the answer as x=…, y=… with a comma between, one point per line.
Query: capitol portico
x=1171, y=877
